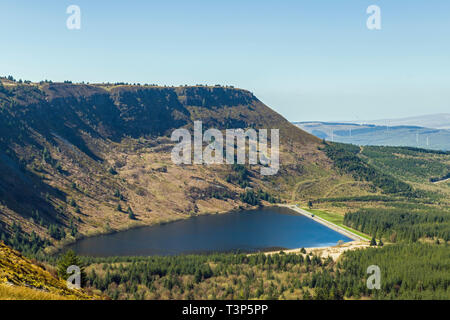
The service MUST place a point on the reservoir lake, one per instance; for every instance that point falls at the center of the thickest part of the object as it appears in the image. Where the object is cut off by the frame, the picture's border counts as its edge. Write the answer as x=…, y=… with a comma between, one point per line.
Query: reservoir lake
x=245, y=231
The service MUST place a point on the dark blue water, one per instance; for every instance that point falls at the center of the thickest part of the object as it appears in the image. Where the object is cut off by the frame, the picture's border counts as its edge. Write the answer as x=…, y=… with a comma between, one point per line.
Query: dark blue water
x=244, y=230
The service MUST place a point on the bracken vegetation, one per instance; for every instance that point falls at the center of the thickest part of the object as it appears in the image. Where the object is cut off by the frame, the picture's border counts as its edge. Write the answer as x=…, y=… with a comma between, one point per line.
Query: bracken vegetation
x=22, y=278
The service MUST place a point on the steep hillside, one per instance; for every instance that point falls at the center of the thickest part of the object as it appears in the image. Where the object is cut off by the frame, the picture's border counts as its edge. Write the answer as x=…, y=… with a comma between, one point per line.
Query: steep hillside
x=78, y=160
x=21, y=279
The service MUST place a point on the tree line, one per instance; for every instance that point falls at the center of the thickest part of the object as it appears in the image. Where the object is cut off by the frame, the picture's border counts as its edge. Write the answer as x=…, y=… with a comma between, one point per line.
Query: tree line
x=345, y=158
x=408, y=271
x=401, y=224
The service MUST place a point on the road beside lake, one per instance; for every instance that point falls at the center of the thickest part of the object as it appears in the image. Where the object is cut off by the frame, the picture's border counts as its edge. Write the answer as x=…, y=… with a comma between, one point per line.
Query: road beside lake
x=326, y=223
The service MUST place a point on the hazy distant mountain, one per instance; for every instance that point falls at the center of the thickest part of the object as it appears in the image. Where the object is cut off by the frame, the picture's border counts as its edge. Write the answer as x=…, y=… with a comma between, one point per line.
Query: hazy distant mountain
x=435, y=121
x=379, y=135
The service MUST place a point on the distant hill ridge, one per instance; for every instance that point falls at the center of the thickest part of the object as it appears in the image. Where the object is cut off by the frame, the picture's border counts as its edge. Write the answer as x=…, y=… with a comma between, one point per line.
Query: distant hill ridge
x=435, y=121
x=379, y=135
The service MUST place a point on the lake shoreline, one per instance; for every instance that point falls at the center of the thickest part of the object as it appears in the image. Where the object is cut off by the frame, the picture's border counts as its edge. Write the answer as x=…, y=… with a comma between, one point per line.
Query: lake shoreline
x=324, y=252
x=324, y=222
x=293, y=209
x=62, y=245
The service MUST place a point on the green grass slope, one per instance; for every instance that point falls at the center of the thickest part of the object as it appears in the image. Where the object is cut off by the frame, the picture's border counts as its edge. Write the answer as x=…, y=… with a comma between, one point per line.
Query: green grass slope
x=20, y=278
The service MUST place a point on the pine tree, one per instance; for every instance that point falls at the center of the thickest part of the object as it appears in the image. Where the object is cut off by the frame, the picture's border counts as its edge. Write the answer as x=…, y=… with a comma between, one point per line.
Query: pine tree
x=373, y=242
x=131, y=214
x=67, y=260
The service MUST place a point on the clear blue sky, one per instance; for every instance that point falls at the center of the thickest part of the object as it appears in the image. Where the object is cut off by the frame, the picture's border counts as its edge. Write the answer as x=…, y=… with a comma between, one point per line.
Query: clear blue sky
x=307, y=59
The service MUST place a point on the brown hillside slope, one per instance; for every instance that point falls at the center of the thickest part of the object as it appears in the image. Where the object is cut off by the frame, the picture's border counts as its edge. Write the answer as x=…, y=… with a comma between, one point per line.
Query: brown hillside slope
x=70, y=154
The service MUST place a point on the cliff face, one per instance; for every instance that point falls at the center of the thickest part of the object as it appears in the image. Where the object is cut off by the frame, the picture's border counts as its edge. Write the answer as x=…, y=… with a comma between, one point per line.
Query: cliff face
x=76, y=157
x=134, y=111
